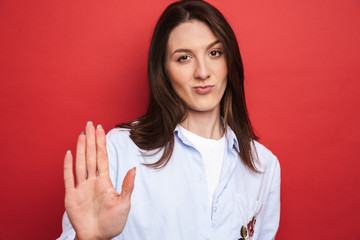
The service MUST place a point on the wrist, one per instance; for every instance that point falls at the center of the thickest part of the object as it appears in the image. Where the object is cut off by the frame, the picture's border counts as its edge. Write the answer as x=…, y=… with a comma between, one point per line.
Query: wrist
x=77, y=238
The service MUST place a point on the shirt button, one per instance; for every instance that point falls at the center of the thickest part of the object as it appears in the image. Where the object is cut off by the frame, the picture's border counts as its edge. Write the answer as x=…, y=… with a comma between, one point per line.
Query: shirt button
x=214, y=209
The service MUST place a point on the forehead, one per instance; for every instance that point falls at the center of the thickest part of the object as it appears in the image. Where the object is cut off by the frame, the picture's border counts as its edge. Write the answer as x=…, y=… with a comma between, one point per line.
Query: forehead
x=191, y=34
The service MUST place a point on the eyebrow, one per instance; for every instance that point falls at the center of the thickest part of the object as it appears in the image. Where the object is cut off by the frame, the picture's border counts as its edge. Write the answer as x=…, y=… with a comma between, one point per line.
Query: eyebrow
x=188, y=50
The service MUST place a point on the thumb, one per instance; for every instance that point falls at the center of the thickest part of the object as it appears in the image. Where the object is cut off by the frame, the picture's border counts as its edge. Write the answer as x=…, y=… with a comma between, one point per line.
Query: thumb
x=128, y=184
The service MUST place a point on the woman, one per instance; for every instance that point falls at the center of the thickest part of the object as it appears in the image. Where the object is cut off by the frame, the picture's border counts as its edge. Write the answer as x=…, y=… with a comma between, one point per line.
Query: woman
x=200, y=174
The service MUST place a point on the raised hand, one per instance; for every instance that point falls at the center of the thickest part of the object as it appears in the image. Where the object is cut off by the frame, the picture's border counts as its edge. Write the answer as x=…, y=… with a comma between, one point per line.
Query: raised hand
x=94, y=208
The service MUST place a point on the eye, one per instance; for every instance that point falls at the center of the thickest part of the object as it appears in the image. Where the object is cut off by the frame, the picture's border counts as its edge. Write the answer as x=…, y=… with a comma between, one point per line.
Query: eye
x=215, y=53
x=183, y=58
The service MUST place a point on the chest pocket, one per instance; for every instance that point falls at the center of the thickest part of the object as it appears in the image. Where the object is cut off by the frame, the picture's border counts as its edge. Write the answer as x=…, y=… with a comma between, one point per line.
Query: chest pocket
x=244, y=214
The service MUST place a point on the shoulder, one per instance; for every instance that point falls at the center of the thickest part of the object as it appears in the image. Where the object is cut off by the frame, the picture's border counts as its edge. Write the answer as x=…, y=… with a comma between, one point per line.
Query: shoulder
x=121, y=149
x=118, y=135
x=265, y=159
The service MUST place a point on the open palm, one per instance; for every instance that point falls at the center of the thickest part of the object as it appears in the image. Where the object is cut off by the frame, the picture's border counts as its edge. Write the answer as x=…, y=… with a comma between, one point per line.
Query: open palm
x=94, y=208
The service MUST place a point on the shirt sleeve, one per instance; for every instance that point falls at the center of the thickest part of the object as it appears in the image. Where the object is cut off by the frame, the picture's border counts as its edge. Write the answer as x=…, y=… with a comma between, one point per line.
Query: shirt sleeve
x=271, y=216
x=113, y=158
x=68, y=231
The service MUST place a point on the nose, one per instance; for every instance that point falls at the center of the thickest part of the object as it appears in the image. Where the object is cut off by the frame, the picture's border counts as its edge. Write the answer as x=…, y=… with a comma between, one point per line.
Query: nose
x=201, y=72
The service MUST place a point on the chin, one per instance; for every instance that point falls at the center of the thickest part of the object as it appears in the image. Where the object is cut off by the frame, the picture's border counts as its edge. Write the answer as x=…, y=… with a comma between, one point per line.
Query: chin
x=204, y=108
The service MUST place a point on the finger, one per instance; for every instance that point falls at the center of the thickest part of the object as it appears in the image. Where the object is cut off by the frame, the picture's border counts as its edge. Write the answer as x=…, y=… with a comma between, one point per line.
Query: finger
x=68, y=172
x=101, y=153
x=90, y=150
x=80, y=164
x=128, y=185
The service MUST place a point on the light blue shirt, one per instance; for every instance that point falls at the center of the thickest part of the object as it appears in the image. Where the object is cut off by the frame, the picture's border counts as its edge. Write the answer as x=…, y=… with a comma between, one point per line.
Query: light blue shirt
x=172, y=203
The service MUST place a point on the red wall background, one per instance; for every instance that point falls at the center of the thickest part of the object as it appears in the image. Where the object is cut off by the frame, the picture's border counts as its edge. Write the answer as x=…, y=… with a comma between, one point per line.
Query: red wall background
x=63, y=63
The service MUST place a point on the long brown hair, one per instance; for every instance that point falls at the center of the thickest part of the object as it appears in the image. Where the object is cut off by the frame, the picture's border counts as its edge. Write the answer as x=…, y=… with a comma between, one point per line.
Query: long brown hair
x=155, y=129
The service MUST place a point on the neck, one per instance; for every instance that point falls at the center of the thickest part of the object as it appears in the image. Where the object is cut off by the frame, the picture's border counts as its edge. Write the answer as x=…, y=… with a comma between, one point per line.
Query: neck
x=204, y=124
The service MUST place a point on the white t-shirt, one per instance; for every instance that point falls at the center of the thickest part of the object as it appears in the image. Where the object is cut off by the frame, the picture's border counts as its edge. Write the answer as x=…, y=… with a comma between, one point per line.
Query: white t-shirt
x=212, y=153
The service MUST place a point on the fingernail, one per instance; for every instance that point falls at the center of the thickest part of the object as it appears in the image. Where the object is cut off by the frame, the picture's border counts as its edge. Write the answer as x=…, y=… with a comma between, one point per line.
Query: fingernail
x=99, y=126
x=68, y=152
x=89, y=123
x=83, y=133
x=134, y=169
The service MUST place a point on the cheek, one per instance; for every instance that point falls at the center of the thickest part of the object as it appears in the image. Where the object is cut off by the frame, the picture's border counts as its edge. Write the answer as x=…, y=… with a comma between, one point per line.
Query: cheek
x=179, y=88
x=223, y=69
x=223, y=74
x=175, y=81
x=178, y=79
x=219, y=69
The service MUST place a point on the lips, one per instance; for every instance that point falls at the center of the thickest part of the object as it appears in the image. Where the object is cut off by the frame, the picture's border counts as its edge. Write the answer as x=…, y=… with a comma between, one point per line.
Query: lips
x=204, y=89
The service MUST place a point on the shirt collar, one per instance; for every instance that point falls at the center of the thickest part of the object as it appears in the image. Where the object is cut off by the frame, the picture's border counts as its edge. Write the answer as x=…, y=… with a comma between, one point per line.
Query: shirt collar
x=229, y=135
x=231, y=138
x=181, y=136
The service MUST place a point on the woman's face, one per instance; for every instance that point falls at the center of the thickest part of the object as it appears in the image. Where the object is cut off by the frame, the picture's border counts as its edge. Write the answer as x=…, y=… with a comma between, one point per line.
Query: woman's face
x=196, y=66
